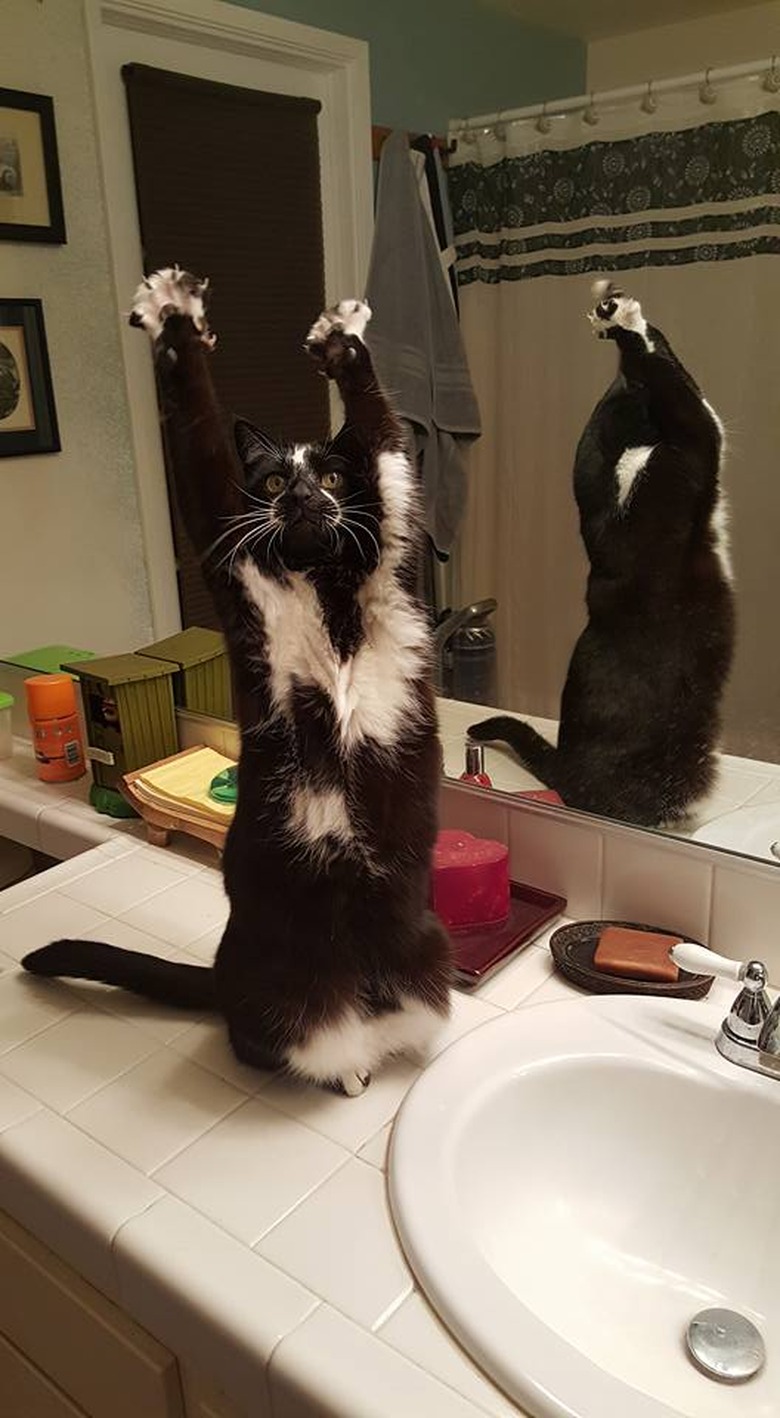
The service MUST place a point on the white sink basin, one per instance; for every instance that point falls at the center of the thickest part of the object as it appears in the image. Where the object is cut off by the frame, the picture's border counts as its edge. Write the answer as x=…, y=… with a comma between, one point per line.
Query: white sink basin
x=750, y=830
x=573, y=1182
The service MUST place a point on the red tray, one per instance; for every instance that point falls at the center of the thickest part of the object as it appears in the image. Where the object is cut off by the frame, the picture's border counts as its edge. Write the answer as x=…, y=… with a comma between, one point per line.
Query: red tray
x=479, y=953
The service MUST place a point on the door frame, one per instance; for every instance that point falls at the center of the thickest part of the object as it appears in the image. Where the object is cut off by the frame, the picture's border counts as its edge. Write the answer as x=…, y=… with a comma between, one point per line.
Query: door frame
x=340, y=64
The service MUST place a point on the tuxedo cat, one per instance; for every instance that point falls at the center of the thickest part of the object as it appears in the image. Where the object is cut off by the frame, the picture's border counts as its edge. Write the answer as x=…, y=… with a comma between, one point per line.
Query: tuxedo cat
x=639, y=716
x=330, y=961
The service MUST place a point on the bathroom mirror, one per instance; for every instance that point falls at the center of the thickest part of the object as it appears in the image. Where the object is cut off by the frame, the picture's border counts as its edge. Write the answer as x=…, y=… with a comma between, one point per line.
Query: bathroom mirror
x=669, y=190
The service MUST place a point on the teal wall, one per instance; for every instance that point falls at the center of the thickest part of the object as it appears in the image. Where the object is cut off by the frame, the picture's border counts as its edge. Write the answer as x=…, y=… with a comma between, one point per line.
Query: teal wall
x=432, y=60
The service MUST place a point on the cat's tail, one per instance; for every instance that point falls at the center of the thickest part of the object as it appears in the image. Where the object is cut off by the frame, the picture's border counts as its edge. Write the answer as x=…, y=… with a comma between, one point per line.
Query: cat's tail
x=534, y=752
x=184, y=986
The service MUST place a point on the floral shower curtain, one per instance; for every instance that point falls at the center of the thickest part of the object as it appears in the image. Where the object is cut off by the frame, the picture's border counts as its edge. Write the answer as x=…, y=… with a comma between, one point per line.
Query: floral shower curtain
x=682, y=206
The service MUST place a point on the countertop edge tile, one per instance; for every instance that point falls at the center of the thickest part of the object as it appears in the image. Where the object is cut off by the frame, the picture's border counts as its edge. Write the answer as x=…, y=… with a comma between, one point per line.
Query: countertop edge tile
x=70, y=1192
x=328, y=1365
x=208, y=1297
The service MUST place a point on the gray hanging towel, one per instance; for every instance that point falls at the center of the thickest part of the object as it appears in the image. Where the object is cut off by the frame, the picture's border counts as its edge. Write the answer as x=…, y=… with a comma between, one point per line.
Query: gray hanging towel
x=416, y=342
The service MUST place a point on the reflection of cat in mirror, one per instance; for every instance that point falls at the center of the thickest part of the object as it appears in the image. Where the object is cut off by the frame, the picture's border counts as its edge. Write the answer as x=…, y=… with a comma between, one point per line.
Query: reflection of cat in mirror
x=639, y=716
x=330, y=961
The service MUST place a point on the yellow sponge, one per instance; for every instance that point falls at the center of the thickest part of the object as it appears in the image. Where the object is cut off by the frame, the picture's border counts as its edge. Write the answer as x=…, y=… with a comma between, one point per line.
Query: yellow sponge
x=186, y=780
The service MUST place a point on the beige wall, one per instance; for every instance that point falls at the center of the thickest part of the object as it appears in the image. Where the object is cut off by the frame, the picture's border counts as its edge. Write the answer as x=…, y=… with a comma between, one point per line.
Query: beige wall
x=735, y=37
x=71, y=560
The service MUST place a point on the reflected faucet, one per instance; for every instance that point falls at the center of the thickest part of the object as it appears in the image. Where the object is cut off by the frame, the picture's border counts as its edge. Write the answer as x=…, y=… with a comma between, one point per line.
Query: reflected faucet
x=750, y=1034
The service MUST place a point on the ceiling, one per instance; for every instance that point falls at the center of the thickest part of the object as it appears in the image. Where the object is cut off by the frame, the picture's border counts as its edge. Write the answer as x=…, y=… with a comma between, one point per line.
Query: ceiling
x=594, y=19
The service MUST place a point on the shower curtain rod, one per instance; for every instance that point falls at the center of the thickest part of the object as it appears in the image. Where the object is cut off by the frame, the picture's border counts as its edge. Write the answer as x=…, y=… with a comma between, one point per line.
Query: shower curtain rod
x=550, y=108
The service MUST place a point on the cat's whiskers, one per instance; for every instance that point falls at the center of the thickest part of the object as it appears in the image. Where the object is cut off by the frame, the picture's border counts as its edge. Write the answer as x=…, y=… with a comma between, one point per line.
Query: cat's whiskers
x=241, y=520
x=348, y=525
x=259, y=526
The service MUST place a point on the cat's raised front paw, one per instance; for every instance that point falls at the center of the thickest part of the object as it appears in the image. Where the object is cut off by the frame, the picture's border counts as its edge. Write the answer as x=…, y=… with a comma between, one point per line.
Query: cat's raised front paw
x=171, y=291
x=615, y=311
x=334, y=339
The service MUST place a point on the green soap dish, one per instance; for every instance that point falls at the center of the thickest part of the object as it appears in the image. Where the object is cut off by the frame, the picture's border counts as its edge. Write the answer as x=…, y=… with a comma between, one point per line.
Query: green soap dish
x=224, y=788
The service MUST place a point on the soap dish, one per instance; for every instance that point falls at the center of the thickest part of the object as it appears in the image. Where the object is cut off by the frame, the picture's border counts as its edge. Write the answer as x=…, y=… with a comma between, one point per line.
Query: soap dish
x=572, y=948
x=479, y=952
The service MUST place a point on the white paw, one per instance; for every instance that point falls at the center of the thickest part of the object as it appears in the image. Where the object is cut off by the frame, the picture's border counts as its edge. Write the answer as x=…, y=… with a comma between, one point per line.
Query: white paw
x=353, y=1084
x=349, y=316
x=171, y=292
x=614, y=310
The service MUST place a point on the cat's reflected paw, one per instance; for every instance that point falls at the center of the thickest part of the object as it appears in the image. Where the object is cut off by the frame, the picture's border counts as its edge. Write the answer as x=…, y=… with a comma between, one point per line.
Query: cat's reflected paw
x=335, y=337
x=615, y=312
x=171, y=291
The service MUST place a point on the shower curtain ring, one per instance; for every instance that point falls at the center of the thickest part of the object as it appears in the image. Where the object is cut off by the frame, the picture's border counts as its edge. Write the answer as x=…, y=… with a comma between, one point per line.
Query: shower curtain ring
x=544, y=121
x=591, y=114
x=772, y=77
x=649, y=103
x=707, y=92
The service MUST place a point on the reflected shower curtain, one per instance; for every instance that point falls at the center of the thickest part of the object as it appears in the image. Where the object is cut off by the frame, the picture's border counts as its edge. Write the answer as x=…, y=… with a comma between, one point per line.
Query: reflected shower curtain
x=682, y=208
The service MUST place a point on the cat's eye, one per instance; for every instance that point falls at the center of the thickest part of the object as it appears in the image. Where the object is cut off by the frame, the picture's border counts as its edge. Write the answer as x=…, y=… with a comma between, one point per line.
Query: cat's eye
x=274, y=484
x=331, y=481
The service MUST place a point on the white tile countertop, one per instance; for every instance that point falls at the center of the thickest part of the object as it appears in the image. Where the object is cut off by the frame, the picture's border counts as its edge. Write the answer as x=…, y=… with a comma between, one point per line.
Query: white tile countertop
x=240, y=1217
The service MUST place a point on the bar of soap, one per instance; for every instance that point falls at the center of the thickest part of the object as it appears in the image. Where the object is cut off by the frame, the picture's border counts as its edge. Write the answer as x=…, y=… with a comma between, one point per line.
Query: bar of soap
x=640, y=955
x=469, y=880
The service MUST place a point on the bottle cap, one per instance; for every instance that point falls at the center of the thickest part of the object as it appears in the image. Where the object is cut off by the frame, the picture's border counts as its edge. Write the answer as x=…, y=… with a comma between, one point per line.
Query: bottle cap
x=50, y=696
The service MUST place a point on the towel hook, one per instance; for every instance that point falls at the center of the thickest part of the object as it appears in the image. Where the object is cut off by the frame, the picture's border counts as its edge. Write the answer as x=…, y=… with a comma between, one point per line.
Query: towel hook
x=772, y=77
x=649, y=103
x=591, y=114
x=707, y=91
x=544, y=121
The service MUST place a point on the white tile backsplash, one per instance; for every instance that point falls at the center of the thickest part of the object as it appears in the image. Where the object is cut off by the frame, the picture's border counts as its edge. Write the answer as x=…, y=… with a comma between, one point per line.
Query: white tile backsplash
x=746, y=914
x=654, y=882
x=552, y=852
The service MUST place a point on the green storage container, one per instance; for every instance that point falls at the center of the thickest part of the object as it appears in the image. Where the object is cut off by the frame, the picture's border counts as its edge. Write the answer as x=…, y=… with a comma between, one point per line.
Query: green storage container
x=129, y=713
x=202, y=682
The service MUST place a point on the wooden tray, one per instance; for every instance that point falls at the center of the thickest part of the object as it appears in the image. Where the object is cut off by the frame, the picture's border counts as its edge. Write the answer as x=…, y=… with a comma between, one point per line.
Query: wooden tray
x=572, y=948
x=160, y=822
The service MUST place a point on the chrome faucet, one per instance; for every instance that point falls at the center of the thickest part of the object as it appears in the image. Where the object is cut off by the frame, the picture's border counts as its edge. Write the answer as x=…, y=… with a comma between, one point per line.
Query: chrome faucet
x=750, y=1034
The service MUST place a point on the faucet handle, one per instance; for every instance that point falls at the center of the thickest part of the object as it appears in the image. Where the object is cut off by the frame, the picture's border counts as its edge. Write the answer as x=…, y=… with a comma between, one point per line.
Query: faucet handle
x=700, y=961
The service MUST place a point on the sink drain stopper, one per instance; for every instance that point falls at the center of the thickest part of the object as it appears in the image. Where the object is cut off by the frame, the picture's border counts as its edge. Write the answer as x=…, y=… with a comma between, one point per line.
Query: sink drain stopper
x=725, y=1345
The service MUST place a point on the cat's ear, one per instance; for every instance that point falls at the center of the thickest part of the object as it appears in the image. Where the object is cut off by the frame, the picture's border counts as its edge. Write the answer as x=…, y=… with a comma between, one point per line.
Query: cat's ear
x=250, y=441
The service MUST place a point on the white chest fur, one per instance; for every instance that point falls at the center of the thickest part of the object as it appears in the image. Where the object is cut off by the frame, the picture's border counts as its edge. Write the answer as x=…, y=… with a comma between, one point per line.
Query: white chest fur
x=371, y=690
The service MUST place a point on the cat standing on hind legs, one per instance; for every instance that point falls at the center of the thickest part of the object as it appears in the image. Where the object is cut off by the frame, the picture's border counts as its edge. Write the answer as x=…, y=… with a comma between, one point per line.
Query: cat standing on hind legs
x=330, y=961
x=640, y=709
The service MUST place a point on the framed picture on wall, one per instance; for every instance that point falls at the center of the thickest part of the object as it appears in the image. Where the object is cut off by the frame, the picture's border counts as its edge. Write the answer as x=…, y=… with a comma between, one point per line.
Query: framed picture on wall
x=28, y=417
x=30, y=191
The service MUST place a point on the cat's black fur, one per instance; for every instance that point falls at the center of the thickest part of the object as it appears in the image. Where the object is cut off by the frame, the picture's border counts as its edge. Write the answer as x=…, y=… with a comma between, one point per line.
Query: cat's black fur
x=640, y=709
x=330, y=960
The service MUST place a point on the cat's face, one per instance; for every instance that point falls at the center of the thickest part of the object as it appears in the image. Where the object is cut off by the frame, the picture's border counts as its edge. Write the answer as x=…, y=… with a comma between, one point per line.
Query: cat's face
x=306, y=505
